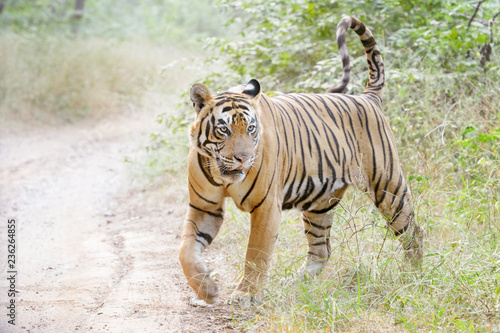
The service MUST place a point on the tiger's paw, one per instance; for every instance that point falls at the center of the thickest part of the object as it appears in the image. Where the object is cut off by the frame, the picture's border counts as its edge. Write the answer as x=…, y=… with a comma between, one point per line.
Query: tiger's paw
x=310, y=270
x=243, y=299
x=196, y=302
x=414, y=247
x=207, y=290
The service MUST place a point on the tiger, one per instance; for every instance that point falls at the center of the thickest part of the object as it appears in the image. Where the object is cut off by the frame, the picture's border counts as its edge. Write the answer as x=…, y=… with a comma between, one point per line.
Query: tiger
x=291, y=151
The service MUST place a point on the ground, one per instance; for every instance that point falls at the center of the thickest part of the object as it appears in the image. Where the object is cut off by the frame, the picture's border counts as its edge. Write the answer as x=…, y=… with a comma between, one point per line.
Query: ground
x=94, y=254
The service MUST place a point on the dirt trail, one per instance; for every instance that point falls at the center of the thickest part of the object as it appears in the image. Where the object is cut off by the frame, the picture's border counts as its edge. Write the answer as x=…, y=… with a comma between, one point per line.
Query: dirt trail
x=93, y=255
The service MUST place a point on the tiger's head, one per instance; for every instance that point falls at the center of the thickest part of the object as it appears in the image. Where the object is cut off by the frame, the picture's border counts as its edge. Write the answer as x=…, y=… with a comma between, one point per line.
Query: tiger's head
x=227, y=128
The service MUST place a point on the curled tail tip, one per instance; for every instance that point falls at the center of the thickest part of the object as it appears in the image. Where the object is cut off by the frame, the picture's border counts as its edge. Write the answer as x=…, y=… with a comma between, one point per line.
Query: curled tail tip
x=376, y=80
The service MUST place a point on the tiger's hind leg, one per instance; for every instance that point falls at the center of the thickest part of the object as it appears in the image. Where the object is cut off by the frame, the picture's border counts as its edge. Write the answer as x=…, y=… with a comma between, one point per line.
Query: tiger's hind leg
x=394, y=202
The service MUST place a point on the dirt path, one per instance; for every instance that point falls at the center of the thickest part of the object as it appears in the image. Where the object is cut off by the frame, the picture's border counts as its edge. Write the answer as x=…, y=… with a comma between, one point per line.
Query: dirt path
x=93, y=255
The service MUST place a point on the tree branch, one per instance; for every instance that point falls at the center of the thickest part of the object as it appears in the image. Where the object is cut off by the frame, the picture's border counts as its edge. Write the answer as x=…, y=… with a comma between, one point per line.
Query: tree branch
x=495, y=16
x=475, y=13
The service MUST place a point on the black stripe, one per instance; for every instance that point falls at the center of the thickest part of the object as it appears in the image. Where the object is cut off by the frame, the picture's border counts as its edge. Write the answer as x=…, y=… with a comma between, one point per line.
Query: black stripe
x=207, y=129
x=319, y=195
x=322, y=211
x=354, y=22
x=305, y=109
x=241, y=100
x=205, y=236
x=200, y=131
x=290, y=153
x=202, y=197
x=332, y=150
x=307, y=192
x=264, y=99
x=286, y=204
x=219, y=215
x=371, y=143
x=370, y=42
x=307, y=232
x=375, y=192
x=361, y=30
x=400, y=207
x=330, y=165
x=225, y=100
x=398, y=233
x=350, y=134
x=303, y=160
x=397, y=189
x=317, y=226
x=263, y=199
x=357, y=105
x=330, y=113
x=207, y=175
x=376, y=66
x=300, y=119
x=332, y=116
x=254, y=182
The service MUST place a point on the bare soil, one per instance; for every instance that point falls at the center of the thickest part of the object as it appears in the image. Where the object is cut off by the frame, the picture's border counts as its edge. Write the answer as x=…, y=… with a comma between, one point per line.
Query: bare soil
x=93, y=255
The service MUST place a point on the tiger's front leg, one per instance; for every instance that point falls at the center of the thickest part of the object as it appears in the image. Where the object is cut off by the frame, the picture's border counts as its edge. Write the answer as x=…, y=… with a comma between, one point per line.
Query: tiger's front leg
x=265, y=222
x=200, y=228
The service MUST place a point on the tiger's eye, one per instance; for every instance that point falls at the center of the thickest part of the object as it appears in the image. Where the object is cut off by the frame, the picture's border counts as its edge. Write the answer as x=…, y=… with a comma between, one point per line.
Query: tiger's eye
x=224, y=129
x=251, y=128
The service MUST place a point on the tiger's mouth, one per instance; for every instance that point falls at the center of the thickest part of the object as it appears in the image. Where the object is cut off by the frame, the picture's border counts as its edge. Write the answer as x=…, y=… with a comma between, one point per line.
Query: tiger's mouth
x=227, y=171
x=237, y=171
x=232, y=176
x=233, y=173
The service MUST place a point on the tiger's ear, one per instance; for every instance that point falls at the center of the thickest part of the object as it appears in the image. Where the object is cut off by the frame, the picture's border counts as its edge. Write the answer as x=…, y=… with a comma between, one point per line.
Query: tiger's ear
x=200, y=96
x=252, y=89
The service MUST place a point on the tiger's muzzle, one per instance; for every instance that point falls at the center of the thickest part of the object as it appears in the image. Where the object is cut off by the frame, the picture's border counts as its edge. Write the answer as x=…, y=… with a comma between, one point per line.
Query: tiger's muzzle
x=234, y=169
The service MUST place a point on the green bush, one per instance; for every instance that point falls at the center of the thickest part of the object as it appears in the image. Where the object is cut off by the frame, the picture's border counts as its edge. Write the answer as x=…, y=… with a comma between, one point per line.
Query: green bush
x=290, y=45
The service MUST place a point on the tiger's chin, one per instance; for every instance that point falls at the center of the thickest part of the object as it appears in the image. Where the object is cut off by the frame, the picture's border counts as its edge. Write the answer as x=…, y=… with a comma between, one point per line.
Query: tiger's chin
x=233, y=176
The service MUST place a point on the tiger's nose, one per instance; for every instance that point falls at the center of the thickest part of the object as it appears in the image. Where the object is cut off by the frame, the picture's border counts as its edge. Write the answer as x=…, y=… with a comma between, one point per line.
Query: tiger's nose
x=241, y=158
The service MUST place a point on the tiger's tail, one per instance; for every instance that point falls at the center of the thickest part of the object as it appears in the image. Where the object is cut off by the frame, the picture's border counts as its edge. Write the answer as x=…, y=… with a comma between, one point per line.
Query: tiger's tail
x=376, y=80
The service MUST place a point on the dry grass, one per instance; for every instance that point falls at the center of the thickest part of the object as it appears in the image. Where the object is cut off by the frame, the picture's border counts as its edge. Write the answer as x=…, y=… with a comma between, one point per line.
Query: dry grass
x=54, y=77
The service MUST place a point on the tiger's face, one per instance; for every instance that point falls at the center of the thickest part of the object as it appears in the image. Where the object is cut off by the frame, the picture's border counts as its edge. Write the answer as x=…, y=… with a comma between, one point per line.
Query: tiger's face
x=227, y=128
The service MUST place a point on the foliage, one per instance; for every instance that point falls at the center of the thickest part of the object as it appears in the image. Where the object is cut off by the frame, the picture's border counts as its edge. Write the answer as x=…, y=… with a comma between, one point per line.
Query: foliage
x=161, y=20
x=112, y=59
x=289, y=45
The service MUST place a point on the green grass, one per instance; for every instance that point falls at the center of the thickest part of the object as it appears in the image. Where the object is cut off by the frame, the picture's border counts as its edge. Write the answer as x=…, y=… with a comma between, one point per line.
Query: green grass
x=367, y=286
